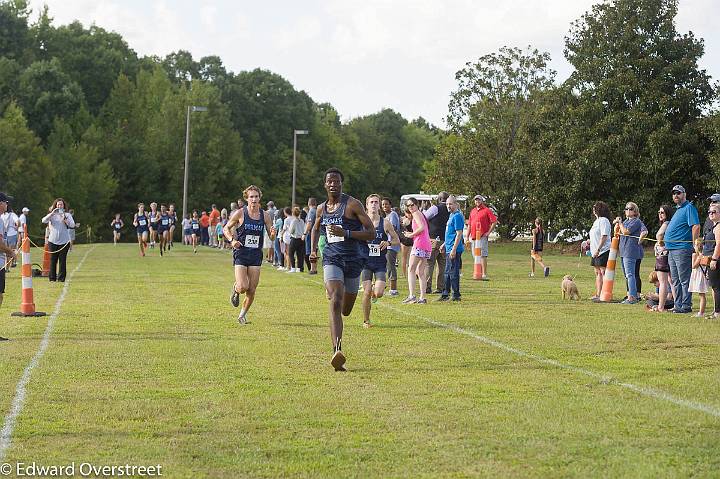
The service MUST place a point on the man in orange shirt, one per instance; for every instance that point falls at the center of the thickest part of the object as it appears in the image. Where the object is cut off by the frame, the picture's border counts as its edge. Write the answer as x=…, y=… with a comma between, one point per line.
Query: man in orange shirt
x=482, y=223
x=204, y=225
x=214, y=219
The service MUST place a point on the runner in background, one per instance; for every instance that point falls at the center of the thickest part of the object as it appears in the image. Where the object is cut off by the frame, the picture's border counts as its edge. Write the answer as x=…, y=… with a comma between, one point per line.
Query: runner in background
x=173, y=221
x=196, y=231
x=141, y=221
x=117, y=225
x=153, y=218
x=385, y=236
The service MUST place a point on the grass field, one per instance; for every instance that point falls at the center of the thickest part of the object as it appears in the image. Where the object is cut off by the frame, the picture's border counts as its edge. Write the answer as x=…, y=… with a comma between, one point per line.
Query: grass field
x=147, y=365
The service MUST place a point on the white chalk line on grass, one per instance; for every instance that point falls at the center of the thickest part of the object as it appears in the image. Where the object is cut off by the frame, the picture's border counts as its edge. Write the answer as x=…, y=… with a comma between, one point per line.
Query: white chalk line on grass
x=603, y=378
x=21, y=389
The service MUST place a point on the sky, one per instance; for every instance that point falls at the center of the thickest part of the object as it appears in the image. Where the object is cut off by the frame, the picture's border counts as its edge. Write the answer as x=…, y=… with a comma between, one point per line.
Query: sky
x=360, y=56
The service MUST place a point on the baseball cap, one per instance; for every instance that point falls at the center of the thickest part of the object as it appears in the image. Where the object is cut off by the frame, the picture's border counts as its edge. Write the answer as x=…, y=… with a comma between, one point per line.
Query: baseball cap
x=715, y=198
x=5, y=198
x=479, y=197
x=26, y=210
x=679, y=188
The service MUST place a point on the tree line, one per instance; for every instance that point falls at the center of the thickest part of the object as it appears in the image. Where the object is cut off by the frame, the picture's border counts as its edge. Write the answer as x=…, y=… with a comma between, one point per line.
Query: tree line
x=635, y=117
x=83, y=117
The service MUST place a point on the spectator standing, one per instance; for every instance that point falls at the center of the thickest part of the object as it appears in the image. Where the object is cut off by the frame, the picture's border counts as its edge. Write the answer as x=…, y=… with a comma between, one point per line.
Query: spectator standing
x=662, y=267
x=204, y=226
x=482, y=223
x=420, y=253
x=714, y=271
x=214, y=220
x=633, y=232
x=309, y=222
x=5, y=250
x=11, y=222
x=437, y=216
x=600, y=244
x=392, y=251
x=681, y=233
x=59, y=222
x=297, y=243
x=454, y=248
x=22, y=224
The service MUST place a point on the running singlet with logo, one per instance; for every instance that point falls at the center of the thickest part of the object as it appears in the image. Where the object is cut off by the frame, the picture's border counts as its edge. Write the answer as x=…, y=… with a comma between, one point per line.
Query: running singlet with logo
x=376, y=257
x=250, y=233
x=153, y=219
x=142, y=223
x=195, y=225
x=164, y=222
x=117, y=226
x=340, y=250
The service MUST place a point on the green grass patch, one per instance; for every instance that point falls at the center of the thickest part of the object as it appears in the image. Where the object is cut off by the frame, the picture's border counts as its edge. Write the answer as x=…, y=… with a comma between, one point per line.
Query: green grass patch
x=147, y=365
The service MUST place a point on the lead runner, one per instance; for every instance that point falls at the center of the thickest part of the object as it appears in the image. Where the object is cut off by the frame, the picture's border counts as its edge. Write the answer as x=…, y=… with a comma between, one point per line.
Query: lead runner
x=245, y=230
x=346, y=226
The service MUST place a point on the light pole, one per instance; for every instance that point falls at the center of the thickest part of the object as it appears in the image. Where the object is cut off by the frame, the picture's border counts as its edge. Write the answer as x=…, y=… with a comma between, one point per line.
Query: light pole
x=295, y=135
x=187, y=154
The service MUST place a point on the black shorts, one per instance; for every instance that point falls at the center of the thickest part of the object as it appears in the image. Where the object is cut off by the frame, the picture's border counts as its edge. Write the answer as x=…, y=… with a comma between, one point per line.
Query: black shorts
x=247, y=256
x=600, y=261
x=2, y=281
x=662, y=264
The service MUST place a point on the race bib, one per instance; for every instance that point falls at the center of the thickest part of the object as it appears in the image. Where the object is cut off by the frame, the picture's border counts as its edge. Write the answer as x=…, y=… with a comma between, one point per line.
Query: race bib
x=374, y=249
x=331, y=238
x=142, y=222
x=252, y=241
x=165, y=222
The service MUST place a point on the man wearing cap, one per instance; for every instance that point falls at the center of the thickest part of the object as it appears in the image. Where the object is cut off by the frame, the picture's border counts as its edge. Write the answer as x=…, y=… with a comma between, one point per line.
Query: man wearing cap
x=6, y=253
x=683, y=230
x=482, y=223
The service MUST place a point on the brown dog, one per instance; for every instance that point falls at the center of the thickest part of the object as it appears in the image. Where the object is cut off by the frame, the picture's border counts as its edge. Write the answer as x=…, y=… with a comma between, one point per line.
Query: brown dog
x=569, y=289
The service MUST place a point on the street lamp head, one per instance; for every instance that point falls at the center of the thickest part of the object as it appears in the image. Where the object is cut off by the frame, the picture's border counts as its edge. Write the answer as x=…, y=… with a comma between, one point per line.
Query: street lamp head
x=199, y=108
x=302, y=132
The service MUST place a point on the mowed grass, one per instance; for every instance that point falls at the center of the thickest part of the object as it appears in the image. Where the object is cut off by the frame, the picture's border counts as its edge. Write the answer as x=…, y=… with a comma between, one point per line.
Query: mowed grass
x=147, y=365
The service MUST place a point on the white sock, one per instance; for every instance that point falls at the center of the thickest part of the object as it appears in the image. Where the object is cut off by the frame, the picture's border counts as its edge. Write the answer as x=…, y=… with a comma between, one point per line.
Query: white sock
x=242, y=313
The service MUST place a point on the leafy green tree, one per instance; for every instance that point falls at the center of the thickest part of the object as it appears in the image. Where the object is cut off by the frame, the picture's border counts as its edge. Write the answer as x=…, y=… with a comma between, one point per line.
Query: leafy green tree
x=92, y=57
x=485, y=152
x=27, y=171
x=80, y=176
x=14, y=31
x=45, y=92
x=640, y=95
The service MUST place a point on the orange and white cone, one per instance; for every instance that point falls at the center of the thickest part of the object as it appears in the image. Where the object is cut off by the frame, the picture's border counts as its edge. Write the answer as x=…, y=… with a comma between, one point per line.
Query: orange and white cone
x=477, y=256
x=606, y=295
x=27, y=306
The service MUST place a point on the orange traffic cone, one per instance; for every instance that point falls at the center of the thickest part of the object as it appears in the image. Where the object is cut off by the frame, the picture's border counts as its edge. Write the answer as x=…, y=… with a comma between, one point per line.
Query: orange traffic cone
x=477, y=256
x=46, y=260
x=27, y=306
x=606, y=295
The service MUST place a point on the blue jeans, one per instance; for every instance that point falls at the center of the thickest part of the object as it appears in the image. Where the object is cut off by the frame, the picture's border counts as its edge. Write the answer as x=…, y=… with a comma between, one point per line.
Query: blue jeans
x=629, y=267
x=452, y=275
x=680, y=268
x=278, y=258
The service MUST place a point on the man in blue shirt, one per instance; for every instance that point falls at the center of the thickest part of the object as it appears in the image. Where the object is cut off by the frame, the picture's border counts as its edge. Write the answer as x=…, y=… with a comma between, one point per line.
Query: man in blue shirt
x=392, y=251
x=683, y=230
x=453, y=248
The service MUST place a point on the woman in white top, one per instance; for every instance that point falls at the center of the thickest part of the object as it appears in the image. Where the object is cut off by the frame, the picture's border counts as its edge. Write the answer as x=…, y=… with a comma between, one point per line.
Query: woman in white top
x=600, y=235
x=59, y=222
x=287, y=223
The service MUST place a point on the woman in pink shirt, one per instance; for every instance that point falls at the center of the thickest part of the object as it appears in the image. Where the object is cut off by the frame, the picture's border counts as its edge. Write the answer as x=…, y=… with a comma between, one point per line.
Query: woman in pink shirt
x=420, y=252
